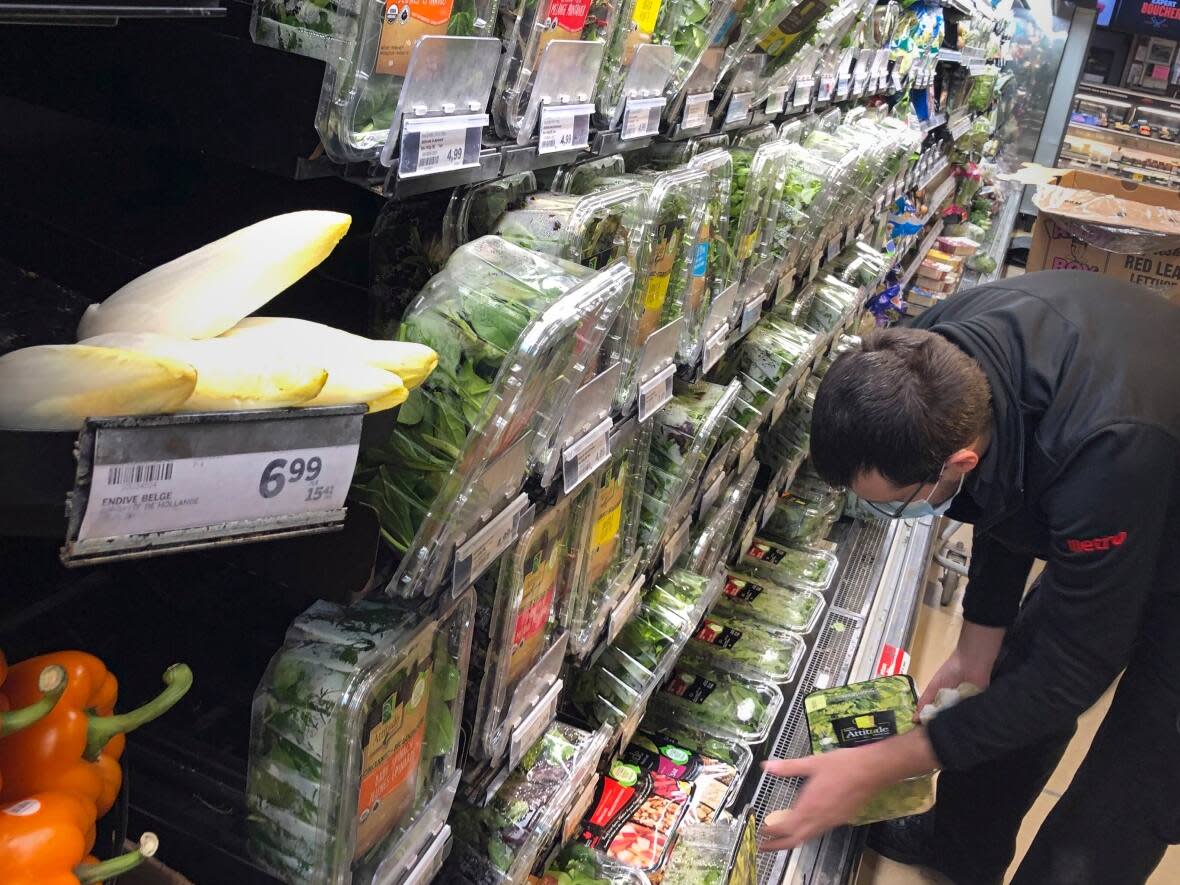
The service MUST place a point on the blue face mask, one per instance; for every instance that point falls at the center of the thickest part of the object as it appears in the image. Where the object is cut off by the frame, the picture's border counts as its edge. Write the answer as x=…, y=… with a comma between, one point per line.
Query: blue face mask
x=918, y=509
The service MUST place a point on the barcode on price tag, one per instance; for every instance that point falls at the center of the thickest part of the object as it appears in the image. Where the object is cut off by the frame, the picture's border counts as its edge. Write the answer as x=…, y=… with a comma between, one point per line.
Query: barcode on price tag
x=775, y=101
x=714, y=347
x=696, y=110
x=803, y=92
x=439, y=144
x=739, y=107
x=641, y=117
x=752, y=312
x=655, y=392
x=564, y=128
x=474, y=556
x=583, y=457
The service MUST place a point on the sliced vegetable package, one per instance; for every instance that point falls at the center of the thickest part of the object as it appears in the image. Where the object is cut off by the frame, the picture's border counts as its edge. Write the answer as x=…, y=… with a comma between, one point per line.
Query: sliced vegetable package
x=803, y=568
x=515, y=332
x=353, y=738
x=721, y=702
x=864, y=713
x=499, y=844
x=716, y=780
x=742, y=644
x=747, y=595
x=579, y=865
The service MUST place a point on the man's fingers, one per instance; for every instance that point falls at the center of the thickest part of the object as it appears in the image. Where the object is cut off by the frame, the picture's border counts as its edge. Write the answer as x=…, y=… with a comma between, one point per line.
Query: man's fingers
x=783, y=830
x=801, y=767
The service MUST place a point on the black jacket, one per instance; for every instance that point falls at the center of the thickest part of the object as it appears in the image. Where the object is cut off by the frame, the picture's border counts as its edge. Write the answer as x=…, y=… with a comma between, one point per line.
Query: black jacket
x=1083, y=471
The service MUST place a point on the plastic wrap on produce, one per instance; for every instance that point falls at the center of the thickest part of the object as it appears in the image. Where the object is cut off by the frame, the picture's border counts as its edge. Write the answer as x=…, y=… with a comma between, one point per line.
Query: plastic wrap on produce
x=719, y=701
x=724, y=852
x=751, y=595
x=1114, y=224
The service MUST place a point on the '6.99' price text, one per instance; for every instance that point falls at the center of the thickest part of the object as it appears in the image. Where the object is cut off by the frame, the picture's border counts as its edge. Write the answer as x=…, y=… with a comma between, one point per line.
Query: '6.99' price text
x=280, y=472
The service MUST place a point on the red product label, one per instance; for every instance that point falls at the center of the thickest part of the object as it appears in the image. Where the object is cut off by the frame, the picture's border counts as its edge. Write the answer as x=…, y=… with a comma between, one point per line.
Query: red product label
x=569, y=15
x=533, y=619
x=893, y=660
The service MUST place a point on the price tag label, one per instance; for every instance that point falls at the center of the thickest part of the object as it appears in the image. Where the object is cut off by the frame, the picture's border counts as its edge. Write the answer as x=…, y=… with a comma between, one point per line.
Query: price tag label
x=833, y=247
x=439, y=144
x=625, y=608
x=843, y=84
x=895, y=80
x=655, y=392
x=573, y=820
x=533, y=724
x=696, y=110
x=752, y=312
x=746, y=455
x=714, y=347
x=859, y=84
x=779, y=408
x=712, y=493
x=583, y=457
x=641, y=117
x=775, y=100
x=676, y=544
x=564, y=128
x=474, y=556
x=802, y=95
x=826, y=86
x=739, y=107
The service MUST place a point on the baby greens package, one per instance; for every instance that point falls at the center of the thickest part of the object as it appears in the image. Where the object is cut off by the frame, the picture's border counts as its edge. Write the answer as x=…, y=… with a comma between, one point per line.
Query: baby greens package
x=785, y=607
x=864, y=713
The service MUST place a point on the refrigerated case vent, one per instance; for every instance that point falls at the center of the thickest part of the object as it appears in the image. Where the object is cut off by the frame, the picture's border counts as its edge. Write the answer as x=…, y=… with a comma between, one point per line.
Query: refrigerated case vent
x=858, y=584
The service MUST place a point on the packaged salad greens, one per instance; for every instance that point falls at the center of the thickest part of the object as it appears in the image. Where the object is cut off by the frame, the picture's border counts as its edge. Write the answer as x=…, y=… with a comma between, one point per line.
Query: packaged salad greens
x=801, y=568
x=718, y=701
x=475, y=210
x=514, y=332
x=753, y=206
x=807, y=204
x=587, y=175
x=519, y=620
x=580, y=865
x=756, y=596
x=689, y=27
x=723, y=852
x=742, y=644
x=716, y=274
x=593, y=230
x=611, y=546
x=716, y=780
x=500, y=843
x=304, y=27
x=864, y=713
x=800, y=522
x=526, y=28
x=353, y=738
x=634, y=26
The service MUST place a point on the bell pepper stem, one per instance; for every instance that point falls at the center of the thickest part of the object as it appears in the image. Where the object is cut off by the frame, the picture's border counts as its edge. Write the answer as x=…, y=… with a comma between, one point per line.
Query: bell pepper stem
x=51, y=682
x=178, y=679
x=116, y=866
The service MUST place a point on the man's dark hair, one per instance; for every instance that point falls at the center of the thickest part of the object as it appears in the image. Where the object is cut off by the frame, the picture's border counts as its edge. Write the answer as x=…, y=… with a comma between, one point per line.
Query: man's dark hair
x=902, y=403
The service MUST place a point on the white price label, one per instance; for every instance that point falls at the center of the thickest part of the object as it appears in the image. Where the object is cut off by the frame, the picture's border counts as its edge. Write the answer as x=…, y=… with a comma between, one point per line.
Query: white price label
x=826, y=86
x=779, y=408
x=843, y=84
x=439, y=144
x=696, y=110
x=641, y=117
x=138, y=498
x=895, y=79
x=739, y=107
x=475, y=555
x=656, y=391
x=583, y=457
x=712, y=493
x=625, y=608
x=803, y=92
x=533, y=724
x=752, y=312
x=859, y=84
x=714, y=347
x=833, y=247
x=775, y=100
x=676, y=543
x=564, y=128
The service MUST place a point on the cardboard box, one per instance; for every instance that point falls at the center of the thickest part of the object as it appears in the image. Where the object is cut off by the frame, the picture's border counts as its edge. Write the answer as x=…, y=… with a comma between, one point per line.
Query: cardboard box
x=1130, y=205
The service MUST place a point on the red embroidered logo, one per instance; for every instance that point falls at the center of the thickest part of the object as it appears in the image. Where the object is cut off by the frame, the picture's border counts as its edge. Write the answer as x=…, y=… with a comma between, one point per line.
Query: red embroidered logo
x=1092, y=545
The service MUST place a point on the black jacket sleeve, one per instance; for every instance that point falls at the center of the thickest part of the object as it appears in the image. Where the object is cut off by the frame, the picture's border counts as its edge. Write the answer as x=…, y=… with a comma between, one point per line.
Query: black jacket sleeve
x=1107, y=513
x=995, y=582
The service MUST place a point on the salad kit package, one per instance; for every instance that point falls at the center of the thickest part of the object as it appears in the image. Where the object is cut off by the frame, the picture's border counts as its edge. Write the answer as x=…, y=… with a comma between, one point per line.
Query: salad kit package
x=499, y=844
x=580, y=865
x=803, y=568
x=519, y=620
x=724, y=852
x=515, y=333
x=720, y=702
x=611, y=552
x=526, y=28
x=753, y=596
x=741, y=644
x=353, y=739
x=715, y=780
x=864, y=713
x=718, y=757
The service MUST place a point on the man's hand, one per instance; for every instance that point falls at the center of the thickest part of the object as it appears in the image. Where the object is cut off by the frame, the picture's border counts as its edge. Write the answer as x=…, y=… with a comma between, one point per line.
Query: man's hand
x=971, y=661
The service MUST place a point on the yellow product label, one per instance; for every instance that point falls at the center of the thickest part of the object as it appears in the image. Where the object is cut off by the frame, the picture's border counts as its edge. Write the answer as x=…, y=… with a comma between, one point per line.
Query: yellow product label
x=604, y=534
x=868, y=721
x=404, y=23
x=657, y=292
x=815, y=702
x=645, y=15
x=747, y=247
x=607, y=527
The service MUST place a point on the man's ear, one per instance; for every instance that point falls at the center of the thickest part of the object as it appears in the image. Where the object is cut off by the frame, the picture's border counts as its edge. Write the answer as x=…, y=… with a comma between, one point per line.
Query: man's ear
x=963, y=461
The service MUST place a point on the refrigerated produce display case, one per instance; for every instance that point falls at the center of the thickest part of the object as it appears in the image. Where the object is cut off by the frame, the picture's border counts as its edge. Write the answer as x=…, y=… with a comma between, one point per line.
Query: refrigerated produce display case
x=431, y=383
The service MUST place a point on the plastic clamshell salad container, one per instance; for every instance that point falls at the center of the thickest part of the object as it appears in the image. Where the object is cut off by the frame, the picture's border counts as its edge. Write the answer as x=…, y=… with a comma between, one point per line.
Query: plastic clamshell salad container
x=709, y=748
x=499, y=844
x=519, y=619
x=808, y=191
x=579, y=865
x=714, y=780
x=747, y=646
x=526, y=27
x=681, y=594
x=475, y=210
x=305, y=27
x=753, y=204
x=690, y=27
x=747, y=595
x=799, y=522
x=723, y=852
x=718, y=270
x=612, y=511
x=362, y=86
x=353, y=736
x=864, y=713
x=803, y=568
x=647, y=637
x=720, y=702
x=515, y=332
x=633, y=27
x=584, y=177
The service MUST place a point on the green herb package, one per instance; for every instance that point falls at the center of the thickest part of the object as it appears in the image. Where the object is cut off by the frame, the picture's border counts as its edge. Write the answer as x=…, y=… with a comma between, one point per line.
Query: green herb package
x=515, y=332
x=716, y=274
x=690, y=27
x=634, y=26
x=864, y=713
x=754, y=200
x=799, y=522
x=500, y=843
x=715, y=700
x=741, y=644
x=353, y=739
x=475, y=210
x=579, y=865
x=754, y=596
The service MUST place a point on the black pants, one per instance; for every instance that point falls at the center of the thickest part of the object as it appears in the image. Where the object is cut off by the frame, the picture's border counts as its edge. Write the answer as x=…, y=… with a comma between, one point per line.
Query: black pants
x=1122, y=809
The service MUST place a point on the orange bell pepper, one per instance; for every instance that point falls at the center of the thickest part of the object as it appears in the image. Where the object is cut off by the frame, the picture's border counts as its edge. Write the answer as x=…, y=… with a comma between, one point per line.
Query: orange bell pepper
x=76, y=747
x=44, y=839
x=51, y=683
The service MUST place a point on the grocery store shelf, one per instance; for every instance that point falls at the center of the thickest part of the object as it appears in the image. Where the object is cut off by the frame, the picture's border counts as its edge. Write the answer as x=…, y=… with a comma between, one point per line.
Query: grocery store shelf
x=996, y=246
x=108, y=13
x=925, y=246
x=1118, y=133
x=934, y=122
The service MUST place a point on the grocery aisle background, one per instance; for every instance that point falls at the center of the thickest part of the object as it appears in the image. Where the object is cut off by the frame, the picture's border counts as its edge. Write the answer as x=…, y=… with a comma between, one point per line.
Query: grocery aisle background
x=937, y=631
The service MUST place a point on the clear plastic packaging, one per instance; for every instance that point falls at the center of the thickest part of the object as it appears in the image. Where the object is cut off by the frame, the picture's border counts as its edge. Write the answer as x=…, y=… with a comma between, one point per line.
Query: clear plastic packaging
x=723, y=852
x=579, y=864
x=353, y=738
x=830, y=304
x=475, y=210
x=499, y=844
x=593, y=230
x=716, y=780
x=584, y=177
x=806, y=204
x=717, y=273
x=754, y=203
x=720, y=702
x=362, y=85
x=864, y=713
x=756, y=596
x=801, y=568
x=799, y=522
x=515, y=332
x=304, y=27
x=633, y=27
x=747, y=646
x=611, y=544
x=519, y=619
x=690, y=27
x=709, y=748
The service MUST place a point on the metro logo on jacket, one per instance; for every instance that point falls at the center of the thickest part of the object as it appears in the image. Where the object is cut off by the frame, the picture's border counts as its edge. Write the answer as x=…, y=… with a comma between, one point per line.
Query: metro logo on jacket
x=1091, y=545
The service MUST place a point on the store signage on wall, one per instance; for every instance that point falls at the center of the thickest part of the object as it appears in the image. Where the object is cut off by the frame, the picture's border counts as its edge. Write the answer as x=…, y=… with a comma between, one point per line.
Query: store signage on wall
x=1160, y=18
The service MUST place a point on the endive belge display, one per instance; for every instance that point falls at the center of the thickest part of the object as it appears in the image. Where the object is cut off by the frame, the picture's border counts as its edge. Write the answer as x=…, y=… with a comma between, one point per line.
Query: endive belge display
x=230, y=376
x=410, y=361
x=204, y=292
x=57, y=386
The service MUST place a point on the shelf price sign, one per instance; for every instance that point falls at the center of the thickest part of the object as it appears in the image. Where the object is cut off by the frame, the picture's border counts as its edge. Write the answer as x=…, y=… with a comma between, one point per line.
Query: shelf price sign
x=430, y=145
x=641, y=117
x=696, y=110
x=564, y=128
